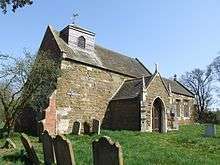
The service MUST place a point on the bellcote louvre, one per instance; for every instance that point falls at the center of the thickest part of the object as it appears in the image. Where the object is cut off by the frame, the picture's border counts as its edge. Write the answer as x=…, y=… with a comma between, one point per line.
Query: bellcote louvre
x=78, y=38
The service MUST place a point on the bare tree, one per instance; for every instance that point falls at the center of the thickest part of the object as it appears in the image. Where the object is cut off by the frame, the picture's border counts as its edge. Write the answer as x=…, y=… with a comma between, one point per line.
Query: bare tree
x=215, y=65
x=14, y=4
x=199, y=82
x=216, y=68
x=22, y=81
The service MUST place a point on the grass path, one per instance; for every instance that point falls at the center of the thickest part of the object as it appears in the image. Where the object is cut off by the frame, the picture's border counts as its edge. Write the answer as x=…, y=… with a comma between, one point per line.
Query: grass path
x=186, y=146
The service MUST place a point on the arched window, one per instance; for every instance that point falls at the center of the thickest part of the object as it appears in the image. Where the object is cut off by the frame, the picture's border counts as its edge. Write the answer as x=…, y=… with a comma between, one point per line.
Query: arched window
x=81, y=42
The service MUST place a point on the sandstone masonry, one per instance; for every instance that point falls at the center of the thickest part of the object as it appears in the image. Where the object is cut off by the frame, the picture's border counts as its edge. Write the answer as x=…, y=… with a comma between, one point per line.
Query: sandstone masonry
x=119, y=91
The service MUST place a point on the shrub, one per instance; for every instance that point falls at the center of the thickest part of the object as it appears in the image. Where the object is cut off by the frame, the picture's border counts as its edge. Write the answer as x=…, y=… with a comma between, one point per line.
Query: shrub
x=208, y=117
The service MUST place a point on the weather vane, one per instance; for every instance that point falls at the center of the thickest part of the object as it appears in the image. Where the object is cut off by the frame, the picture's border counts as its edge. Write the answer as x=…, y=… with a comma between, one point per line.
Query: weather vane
x=75, y=15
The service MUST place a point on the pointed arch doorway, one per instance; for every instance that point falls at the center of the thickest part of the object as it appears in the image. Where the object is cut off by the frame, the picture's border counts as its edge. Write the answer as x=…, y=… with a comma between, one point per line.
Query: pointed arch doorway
x=158, y=115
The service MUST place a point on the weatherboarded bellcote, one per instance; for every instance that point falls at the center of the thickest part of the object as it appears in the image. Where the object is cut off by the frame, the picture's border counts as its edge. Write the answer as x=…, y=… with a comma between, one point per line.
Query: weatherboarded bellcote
x=78, y=38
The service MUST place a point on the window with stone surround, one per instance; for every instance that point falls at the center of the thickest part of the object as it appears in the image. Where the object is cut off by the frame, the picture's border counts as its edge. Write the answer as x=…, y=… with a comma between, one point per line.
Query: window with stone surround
x=81, y=42
x=177, y=107
x=186, y=108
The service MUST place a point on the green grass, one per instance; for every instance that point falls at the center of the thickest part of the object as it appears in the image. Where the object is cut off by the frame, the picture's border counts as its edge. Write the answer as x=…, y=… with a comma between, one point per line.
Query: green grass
x=186, y=146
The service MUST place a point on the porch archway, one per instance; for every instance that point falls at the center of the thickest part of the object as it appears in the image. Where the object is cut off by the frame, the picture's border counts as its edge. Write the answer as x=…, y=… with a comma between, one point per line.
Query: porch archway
x=158, y=116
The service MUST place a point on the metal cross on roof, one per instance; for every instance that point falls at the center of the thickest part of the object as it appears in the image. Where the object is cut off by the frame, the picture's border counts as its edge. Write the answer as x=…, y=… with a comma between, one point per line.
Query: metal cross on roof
x=74, y=16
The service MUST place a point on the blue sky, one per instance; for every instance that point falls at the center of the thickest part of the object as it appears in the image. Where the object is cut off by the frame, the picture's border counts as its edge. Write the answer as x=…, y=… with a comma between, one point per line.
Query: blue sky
x=178, y=35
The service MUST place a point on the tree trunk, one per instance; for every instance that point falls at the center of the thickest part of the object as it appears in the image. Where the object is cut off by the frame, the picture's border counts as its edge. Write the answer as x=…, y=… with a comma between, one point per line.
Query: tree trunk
x=8, y=127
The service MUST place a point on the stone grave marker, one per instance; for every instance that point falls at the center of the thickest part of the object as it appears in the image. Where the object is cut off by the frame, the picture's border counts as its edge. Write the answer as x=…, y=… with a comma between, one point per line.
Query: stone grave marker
x=86, y=128
x=77, y=128
x=48, y=149
x=96, y=126
x=32, y=156
x=63, y=151
x=106, y=152
x=210, y=130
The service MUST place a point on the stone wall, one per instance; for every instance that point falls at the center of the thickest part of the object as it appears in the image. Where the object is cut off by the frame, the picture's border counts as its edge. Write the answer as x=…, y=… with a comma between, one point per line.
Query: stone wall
x=182, y=119
x=156, y=89
x=39, y=98
x=83, y=93
x=124, y=115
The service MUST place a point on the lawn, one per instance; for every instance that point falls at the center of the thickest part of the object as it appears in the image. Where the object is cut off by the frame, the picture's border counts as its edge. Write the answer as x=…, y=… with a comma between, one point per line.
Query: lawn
x=186, y=146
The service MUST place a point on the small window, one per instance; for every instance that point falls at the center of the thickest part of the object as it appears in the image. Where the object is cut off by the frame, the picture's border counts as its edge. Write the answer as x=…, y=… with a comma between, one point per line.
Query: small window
x=178, y=108
x=81, y=42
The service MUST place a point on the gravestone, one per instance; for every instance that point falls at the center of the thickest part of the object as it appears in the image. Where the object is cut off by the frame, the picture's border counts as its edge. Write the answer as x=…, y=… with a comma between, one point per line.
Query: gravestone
x=106, y=152
x=29, y=149
x=86, y=128
x=76, y=128
x=96, y=126
x=48, y=149
x=63, y=151
x=210, y=130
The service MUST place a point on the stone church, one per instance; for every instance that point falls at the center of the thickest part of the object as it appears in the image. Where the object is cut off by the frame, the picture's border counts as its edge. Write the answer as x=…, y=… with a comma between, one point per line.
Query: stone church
x=98, y=83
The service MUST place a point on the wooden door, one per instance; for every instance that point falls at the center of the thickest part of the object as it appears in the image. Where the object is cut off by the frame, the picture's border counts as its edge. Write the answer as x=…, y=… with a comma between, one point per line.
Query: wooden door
x=156, y=118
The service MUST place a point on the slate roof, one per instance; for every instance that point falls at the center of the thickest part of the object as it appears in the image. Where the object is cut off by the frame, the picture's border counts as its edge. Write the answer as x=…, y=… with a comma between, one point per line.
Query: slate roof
x=104, y=58
x=113, y=61
x=132, y=88
x=178, y=88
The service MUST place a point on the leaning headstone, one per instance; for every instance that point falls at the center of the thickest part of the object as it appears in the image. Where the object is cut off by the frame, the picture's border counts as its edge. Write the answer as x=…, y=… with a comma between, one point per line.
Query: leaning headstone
x=96, y=126
x=63, y=151
x=210, y=130
x=76, y=128
x=48, y=149
x=32, y=156
x=106, y=152
x=86, y=128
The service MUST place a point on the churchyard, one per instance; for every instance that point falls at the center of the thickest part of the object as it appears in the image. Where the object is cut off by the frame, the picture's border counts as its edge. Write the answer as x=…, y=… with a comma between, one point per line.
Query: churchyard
x=186, y=146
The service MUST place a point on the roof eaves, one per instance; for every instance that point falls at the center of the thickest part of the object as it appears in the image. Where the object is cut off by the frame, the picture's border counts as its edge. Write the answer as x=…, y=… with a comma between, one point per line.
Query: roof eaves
x=125, y=98
x=100, y=67
x=183, y=94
